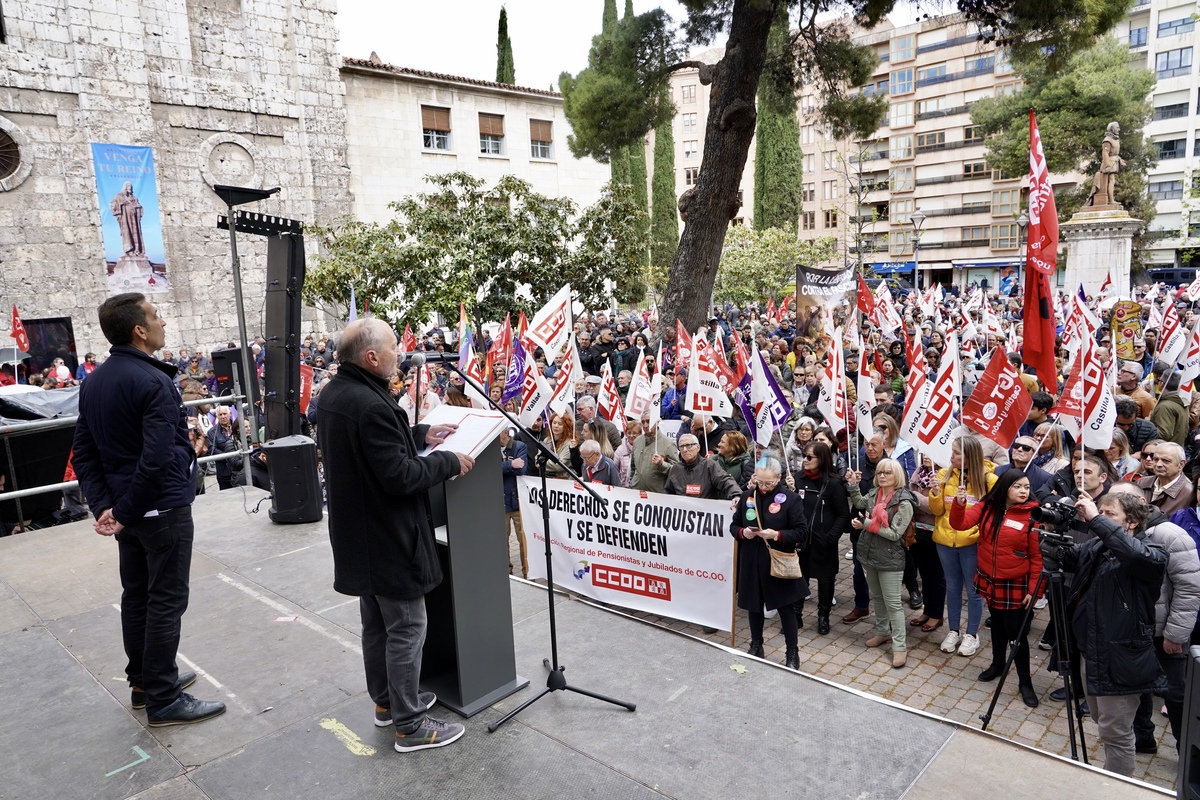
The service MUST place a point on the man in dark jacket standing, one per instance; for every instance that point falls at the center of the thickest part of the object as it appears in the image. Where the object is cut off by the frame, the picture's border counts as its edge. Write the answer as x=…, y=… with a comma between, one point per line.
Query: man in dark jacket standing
x=1118, y=576
x=380, y=525
x=516, y=462
x=696, y=476
x=137, y=469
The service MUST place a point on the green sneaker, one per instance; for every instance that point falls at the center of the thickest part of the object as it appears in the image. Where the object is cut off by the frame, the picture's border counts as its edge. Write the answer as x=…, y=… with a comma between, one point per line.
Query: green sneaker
x=430, y=733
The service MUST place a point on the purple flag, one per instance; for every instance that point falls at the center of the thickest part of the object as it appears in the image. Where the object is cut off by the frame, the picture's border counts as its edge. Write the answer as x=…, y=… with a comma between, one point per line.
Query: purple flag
x=514, y=381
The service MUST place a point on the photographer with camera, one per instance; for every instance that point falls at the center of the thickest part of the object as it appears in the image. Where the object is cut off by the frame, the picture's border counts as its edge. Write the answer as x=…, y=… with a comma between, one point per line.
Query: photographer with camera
x=1118, y=576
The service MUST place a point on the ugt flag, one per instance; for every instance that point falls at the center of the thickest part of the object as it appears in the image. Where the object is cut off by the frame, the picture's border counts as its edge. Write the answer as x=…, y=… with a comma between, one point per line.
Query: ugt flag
x=999, y=405
x=1041, y=261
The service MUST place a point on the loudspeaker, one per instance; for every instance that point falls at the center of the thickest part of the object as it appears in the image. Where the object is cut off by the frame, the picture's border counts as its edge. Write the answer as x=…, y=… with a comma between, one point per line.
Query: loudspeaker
x=295, y=488
x=226, y=364
x=281, y=368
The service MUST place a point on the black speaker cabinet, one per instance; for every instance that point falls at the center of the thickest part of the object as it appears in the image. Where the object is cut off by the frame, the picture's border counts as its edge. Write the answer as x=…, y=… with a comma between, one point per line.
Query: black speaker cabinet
x=226, y=364
x=295, y=487
x=281, y=369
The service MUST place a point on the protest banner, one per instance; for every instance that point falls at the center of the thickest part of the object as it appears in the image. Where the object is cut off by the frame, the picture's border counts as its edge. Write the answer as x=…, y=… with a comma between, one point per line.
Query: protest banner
x=658, y=553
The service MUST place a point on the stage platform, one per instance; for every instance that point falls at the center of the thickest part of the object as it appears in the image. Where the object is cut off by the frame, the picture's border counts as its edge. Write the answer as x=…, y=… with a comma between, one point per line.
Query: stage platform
x=270, y=638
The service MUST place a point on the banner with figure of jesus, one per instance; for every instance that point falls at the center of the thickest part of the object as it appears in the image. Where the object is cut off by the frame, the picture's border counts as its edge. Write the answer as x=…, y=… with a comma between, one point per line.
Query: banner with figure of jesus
x=130, y=223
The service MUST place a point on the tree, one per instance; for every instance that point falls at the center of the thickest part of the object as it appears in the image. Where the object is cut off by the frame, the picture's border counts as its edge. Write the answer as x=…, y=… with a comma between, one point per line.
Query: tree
x=1074, y=105
x=497, y=250
x=778, y=161
x=619, y=96
x=506, y=70
x=757, y=263
x=664, y=222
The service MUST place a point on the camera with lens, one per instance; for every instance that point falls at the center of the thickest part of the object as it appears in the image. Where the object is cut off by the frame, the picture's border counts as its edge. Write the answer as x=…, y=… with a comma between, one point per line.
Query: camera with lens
x=1056, y=512
x=1053, y=539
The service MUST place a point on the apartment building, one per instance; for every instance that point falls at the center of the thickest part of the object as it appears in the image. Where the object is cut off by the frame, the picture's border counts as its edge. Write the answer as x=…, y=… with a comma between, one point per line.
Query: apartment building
x=1162, y=36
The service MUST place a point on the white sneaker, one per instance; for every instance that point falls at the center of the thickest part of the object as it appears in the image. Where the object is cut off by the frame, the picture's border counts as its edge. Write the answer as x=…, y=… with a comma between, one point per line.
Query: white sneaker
x=770, y=613
x=950, y=643
x=1040, y=604
x=850, y=555
x=969, y=646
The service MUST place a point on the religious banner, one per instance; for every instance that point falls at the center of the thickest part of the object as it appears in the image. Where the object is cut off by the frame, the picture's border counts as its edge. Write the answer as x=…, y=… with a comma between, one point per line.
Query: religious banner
x=130, y=225
x=664, y=554
x=1126, y=327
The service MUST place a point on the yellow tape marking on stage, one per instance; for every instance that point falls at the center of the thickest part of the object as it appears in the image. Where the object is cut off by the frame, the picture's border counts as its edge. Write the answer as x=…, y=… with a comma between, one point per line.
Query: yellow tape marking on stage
x=348, y=737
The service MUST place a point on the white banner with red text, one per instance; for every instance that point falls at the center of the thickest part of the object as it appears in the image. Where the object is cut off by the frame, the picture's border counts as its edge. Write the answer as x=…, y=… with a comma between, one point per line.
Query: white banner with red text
x=650, y=552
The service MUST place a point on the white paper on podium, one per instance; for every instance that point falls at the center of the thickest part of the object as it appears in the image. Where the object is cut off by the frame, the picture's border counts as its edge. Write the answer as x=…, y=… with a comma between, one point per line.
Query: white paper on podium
x=476, y=429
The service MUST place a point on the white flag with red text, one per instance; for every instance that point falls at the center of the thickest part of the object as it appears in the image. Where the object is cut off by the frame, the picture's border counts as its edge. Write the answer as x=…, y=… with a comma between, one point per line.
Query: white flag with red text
x=637, y=401
x=608, y=404
x=551, y=327
x=1189, y=359
x=535, y=393
x=704, y=391
x=865, y=404
x=935, y=430
x=832, y=398
x=1172, y=337
x=566, y=377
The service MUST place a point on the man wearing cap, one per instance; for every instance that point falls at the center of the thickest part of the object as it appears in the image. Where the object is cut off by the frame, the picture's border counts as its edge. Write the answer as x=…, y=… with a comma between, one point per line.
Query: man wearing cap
x=1129, y=378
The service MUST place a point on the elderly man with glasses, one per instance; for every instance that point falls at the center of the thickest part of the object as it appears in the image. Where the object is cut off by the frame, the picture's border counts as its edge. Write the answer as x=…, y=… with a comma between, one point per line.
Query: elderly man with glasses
x=696, y=476
x=1168, y=489
x=1129, y=384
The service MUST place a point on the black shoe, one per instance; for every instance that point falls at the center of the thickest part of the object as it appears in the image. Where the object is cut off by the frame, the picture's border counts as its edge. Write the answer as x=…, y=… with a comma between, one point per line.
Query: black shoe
x=915, y=600
x=987, y=623
x=1083, y=709
x=823, y=623
x=792, y=659
x=185, y=711
x=1028, y=695
x=756, y=648
x=709, y=631
x=1148, y=746
x=137, y=697
x=991, y=673
x=1059, y=694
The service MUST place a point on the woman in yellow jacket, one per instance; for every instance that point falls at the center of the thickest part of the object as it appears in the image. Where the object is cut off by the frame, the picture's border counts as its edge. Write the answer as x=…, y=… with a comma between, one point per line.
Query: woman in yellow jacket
x=957, y=549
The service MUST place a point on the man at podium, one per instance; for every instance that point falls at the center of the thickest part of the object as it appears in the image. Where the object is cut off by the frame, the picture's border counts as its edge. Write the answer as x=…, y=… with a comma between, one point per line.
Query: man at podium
x=380, y=526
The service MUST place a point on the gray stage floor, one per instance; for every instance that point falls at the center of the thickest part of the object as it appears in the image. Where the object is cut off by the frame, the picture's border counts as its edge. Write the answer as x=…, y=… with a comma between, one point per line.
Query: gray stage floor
x=269, y=636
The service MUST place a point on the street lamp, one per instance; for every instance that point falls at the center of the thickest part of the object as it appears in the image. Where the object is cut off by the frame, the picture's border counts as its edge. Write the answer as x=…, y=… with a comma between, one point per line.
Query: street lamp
x=918, y=219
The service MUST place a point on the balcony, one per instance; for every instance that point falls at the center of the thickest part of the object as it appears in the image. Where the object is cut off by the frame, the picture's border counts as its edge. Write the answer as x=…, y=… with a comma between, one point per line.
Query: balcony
x=945, y=112
x=954, y=76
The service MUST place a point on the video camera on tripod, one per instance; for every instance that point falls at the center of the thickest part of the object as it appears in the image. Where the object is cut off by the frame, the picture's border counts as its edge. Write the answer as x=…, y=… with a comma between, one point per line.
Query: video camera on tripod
x=1054, y=516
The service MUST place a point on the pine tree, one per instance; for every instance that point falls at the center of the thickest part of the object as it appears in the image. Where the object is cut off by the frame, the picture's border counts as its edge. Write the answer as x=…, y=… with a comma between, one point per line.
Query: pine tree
x=609, y=22
x=664, y=224
x=506, y=71
x=778, y=161
x=619, y=166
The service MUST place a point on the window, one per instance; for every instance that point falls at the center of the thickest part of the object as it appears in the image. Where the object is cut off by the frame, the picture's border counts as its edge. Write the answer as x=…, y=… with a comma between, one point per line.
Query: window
x=1166, y=190
x=831, y=218
x=1004, y=236
x=810, y=163
x=934, y=74
x=1137, y=37
x=975, y=169
x=435, y=128
x=932, y=105
x=808, y=220
x=979, y=201
x=691, y=175
x=1171, y=148
x=810, y=193
x=1003, y=63
x=903, y=48
x=1173, y=111
x=998, y=175
x=900, y=212
x=902, y=81
x=540, y=138
x=689, y=122
x=980, y=64
x=1006, y=202
x=902, y=147
x=1008, y=89
x=808, y=134
x=900, y=243
x=902, y=114
x=691, y=148
x=1173, y=62
x=1196, y=147
x=971, y=133
x=737, y=221
x=931, y=141
x=976, y=234
x=883, y=87
x=491, y=134
x=829, y=190
x=687, y=94
x=1176, y=26
x=829, y=157
x=902, y=179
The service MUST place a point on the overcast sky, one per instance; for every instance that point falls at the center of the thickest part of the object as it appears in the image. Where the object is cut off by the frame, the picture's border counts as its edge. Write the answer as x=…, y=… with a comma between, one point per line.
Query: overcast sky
x=459, y=36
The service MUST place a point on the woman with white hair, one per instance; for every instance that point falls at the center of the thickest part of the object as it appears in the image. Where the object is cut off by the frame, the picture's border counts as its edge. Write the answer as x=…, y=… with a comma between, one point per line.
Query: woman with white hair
x=769, y=517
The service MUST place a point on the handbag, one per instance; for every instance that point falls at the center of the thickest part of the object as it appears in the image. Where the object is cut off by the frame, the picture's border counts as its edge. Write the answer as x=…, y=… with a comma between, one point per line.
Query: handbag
x=784, y=565
x=910, y=535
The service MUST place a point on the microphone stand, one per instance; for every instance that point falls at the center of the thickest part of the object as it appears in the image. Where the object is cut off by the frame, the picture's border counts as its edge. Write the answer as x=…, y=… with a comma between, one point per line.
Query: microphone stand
x=556, y=680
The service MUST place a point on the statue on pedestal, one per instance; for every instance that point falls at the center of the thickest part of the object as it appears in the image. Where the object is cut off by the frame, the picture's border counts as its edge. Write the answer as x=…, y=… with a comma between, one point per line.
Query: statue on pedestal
x=1105, y=182
x=128, y=211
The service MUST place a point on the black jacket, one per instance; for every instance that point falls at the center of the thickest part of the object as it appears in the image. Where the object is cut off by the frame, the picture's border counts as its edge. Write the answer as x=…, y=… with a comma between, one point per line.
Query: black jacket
x=827, y=514
x=782, y=510
x=379, y=515
x=516, y=449
x=1117, y=582
x=131, y=449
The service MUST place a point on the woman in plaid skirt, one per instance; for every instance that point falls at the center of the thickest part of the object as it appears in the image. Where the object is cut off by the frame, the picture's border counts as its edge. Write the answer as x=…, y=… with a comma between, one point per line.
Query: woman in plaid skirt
x=1009, y=565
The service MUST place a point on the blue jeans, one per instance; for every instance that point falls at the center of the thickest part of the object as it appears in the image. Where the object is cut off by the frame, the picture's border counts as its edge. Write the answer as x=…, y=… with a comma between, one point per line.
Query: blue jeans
x=393, y=635
x=960, y=565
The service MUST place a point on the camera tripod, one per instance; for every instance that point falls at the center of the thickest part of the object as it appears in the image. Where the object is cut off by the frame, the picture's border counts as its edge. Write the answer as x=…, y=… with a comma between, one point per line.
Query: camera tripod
x=1052, y=580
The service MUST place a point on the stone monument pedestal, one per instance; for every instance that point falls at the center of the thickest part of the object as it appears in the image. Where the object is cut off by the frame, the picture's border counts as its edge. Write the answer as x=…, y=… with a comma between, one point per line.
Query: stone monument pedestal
x=1099, y=241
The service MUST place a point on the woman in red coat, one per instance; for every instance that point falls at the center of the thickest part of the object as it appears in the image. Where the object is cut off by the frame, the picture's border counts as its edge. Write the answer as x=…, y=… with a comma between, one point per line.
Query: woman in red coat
x=1009, y=565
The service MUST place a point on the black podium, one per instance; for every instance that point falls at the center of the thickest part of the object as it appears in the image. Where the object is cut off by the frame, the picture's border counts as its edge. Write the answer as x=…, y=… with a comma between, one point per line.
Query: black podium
x=469, y=659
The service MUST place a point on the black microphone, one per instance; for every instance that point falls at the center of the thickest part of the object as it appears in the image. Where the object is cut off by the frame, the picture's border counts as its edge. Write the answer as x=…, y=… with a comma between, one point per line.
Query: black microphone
x=421, y=357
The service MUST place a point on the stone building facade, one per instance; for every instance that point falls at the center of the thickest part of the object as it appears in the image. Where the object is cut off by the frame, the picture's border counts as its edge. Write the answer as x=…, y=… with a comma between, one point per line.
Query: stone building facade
x=240, y=92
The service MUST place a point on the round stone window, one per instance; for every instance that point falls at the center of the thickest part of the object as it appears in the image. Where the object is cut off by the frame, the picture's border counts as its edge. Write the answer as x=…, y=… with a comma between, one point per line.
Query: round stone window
x=10, y=155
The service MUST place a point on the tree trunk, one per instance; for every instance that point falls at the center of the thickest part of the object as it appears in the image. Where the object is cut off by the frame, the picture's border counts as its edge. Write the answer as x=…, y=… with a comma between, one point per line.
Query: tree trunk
x=731, y=118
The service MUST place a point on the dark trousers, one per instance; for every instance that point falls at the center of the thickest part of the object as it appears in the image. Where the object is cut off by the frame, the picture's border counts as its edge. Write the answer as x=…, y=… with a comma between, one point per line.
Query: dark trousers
x=1175, y=667
x=910, y=572
x=393, y=635
x=156, y=559
x=862, y=592
x=787, y=621
x=1006, y=627
x=933, y=580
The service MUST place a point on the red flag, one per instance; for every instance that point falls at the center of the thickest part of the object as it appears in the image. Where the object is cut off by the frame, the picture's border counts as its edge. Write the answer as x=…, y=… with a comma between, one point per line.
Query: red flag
x=522, y=326
x=1041, y=261
x=866, y=298
x=999, y=405
x=741, y=360
x=771, y=311
x=306, y=382
x=408, y=342
x=502, y=348
x=683, y=346
x=18, y=332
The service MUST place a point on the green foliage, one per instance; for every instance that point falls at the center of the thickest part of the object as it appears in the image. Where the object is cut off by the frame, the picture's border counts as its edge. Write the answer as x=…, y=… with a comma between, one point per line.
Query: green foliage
x=608, y=22
x=778, y=161
x=664, y=223
x=498, y=250
x=756, y=264
x=637, y=182
x=506, y=71
x=1046, y=34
